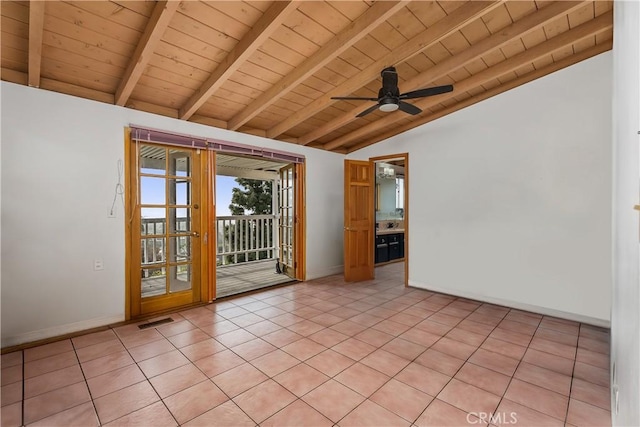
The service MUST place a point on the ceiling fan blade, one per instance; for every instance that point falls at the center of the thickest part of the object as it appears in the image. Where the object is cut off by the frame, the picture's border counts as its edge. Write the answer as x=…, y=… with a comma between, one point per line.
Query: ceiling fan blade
x=409, y=108
x=368, y=110
x=354, y=98
x=430, y=91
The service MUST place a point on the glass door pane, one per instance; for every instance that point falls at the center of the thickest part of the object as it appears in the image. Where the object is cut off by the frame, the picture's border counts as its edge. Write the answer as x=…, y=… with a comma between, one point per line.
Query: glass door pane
x=286, y=208
x=168, y=224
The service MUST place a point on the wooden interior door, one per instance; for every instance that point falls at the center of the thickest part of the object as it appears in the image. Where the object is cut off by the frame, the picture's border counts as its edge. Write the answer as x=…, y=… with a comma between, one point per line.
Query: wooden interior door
x=358, y=221
x=167, y=221
x=287, y=217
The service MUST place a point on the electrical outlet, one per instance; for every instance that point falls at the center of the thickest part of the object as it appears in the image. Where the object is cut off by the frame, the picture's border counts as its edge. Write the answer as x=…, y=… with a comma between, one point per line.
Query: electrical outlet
x=111, y=212
x=98, y=264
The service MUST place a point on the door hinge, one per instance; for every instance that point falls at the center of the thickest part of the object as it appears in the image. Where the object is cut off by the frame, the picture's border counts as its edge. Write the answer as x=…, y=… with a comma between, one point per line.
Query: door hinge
x=206, y=235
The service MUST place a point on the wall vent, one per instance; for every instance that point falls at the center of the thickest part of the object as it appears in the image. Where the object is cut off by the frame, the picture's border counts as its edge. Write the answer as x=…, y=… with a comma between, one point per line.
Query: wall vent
x=155, y=323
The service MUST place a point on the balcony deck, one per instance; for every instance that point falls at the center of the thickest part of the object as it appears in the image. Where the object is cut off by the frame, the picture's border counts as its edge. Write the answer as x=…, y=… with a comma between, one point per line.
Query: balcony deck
x=238, y=278
x=230, y=280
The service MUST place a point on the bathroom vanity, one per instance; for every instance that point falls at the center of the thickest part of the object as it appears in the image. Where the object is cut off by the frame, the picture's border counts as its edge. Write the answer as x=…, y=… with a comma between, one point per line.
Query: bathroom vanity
x=389, y=245
x=389, y=241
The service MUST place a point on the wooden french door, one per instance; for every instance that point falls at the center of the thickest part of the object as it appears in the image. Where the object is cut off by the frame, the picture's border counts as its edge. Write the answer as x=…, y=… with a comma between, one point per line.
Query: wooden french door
x=287, y=220
x=166, y=246
x=358, y=221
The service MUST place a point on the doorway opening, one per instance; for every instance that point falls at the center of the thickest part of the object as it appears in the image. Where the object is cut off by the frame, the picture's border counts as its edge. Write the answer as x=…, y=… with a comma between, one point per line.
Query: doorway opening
x=255, y=223
x=390, y=249
x=177, y=252
x=376, y=224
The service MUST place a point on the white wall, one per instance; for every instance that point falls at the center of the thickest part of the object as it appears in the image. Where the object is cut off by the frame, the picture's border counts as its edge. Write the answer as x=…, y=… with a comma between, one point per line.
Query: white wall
x=59, y=171
x=625, y=318
x=509, y=199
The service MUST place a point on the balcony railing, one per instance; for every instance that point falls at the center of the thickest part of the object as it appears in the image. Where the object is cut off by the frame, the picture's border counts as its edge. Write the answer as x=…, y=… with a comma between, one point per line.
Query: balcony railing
x=246, y=238
x=154, y=249
x=241, y=238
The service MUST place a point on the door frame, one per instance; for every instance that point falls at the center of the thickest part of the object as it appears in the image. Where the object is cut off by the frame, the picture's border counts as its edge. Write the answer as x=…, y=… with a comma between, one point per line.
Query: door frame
x=208, y=232
x=130, y=209
x=299, y=233
x=405, y=157
x=301, y=221
x=210, y=229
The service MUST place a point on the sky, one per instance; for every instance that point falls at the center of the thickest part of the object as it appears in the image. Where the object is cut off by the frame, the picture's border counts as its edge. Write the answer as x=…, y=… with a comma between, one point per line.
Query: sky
x=153, y=192
x=224, y=184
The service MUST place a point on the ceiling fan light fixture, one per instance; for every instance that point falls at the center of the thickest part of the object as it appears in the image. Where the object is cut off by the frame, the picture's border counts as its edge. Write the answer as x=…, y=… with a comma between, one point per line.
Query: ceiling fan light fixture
x=389, y=107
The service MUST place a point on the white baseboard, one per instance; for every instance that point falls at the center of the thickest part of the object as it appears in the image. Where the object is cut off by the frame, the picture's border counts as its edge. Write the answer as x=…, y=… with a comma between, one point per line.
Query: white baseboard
x=60, y=330
x=328, y=271
x=517, y=305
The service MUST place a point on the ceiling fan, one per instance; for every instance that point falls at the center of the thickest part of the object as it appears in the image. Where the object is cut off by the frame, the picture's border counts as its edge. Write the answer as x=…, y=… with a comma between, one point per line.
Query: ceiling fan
x=390, y=99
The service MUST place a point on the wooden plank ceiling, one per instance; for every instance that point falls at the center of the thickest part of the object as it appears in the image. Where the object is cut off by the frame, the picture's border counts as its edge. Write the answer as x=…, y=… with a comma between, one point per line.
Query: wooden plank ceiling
x=270, y=68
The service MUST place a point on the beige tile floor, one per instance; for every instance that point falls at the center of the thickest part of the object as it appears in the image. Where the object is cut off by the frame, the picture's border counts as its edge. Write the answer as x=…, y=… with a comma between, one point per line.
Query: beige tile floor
x=320, y=353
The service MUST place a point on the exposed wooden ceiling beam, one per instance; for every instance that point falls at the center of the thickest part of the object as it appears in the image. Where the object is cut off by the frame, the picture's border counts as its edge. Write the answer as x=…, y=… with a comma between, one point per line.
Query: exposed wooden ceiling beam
x=158, y=23
x=19, y=77
x=374, y=16
x=136, y=104
x=75, y=90
x=533, y=75
x=256, y=132
x=599, y=24
x=259, y=33
x=438, y=31
x=36, y=31
x=14, y=76
x=514, y=31
x=209, y=121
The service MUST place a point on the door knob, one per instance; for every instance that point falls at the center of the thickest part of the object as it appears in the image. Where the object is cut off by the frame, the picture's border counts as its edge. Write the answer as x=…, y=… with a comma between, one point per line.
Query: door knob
x=195, y=234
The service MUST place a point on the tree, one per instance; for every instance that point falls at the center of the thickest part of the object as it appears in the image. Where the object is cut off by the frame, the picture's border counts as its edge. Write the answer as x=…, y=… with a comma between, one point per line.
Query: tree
x=254, y=198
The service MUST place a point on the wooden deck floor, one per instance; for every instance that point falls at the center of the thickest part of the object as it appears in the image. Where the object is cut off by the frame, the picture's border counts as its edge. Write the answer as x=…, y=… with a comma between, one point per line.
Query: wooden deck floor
x=230, y=279
x=238, y=278
x=153, y=286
